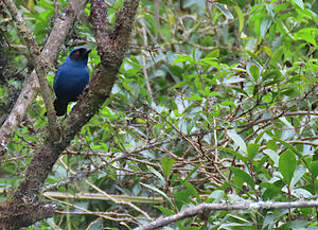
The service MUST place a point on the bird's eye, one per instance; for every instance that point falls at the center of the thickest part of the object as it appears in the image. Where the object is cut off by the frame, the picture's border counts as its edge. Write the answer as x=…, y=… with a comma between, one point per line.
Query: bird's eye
x=77, y=52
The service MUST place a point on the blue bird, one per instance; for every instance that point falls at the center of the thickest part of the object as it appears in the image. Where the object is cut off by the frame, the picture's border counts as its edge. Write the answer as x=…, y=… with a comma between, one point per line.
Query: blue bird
x=70, y=79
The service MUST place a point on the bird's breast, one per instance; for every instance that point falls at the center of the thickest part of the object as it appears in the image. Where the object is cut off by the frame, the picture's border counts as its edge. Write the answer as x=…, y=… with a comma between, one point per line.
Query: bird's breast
x=70, y=82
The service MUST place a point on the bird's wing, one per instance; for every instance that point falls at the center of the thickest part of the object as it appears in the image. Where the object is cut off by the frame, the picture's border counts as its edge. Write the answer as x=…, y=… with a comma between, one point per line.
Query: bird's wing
x=58, y=75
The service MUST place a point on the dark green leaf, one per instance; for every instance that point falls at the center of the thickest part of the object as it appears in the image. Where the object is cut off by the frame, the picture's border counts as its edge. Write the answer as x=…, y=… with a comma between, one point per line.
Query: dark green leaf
x=287, y=165
x=252, y=150
x=243, y=176
x=166, y=165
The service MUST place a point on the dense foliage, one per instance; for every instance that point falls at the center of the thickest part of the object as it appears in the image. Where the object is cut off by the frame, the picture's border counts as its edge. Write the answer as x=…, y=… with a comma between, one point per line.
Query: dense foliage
x=215, y=102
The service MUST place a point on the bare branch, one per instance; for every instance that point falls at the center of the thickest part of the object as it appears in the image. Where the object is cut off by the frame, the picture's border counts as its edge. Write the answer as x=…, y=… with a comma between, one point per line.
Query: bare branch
x=102, y=196
x=24, y=31
x=195, y=210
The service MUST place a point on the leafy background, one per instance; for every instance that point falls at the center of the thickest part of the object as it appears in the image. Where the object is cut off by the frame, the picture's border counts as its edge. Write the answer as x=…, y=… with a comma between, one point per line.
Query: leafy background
x=215, y=102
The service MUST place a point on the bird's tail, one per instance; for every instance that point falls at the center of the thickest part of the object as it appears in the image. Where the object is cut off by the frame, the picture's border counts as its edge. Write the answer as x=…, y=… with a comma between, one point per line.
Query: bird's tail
x=60, y=107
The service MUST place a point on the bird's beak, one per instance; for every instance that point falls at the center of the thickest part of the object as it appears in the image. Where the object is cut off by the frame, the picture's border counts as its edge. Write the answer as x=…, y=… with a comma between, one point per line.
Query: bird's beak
x=88, y=51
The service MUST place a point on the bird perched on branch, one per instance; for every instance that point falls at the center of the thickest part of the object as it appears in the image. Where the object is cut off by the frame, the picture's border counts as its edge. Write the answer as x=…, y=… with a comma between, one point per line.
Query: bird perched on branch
x=70, y=79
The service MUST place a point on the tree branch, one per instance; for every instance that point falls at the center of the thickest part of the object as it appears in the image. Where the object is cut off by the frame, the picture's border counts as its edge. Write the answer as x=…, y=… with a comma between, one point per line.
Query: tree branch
x=38, y=62
x=195, y=210
x=49, y=53
x=14, y=215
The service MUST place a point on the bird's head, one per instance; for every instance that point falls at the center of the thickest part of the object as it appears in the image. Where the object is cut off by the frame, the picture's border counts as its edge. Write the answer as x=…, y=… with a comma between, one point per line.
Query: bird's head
x=80, y=55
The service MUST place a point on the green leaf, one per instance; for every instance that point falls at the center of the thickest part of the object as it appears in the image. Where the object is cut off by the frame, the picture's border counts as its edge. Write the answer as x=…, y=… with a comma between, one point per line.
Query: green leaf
x=266, y=23
x=176, y=70
x=287, y=165
x=166, y=165
x=272, y=189
x=253, y=69
x=228, y=103
x=192, y=172
x=224, y=11
x=185, y=195
x=299, y=3
x=314, y=169
x=236, y=154
x=179, y=84
x=153, y=188
x=211, y=61
x=242, y=176
x=213, y=54
x=165, y=211
x=315, y=156
x=191, y=189
x=183, y=58
x=273, y=155
x=290, y=147
x=155, y=172
x=307, y=34
x=252, y=150
x=194, y=97
x=240, y=17
x=197, y=83
x=237, y=139
x=297, y=176
x=271, y=144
